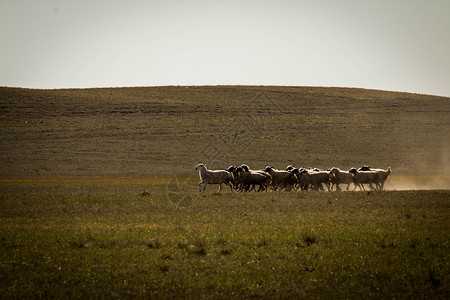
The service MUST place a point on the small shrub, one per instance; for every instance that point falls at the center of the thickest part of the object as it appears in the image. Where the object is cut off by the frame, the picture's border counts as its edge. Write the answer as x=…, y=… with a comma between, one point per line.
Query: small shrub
x=182, y=245
x=435, y=282
x=226, y=251
x=164, y=268
x=166, y=257
x=388, y=244
x=200, y=251
x=307, y=269
x=262, y=243
x=414, y=243
x=154, y=245
x=309, y=238
x=79, y=245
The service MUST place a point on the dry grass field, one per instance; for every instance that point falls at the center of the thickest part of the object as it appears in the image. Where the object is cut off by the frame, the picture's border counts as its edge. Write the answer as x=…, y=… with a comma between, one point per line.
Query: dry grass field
x=99, y=196
x=166, y=131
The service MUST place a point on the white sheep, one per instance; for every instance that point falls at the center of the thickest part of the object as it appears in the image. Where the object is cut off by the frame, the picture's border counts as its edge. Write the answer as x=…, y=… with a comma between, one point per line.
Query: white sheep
x=315, y=179
x=213, y=177
x=361, y=177
x=281, y=179
x=383, y=175
x=342, y=177
x=251, y=178
x=235, y=180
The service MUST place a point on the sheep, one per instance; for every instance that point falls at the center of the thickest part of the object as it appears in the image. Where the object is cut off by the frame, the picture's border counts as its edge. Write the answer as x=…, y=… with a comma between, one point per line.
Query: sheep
x=213, y=177
x=334, y=182
x=342, y=177
x=301, y=182
x=361, y=177
x=262, y=172
x=384, y=174
x=315, y=179
x=281, y=179
x=234, y=179
x=238, y=181
x=290, y=168
x=249, y=177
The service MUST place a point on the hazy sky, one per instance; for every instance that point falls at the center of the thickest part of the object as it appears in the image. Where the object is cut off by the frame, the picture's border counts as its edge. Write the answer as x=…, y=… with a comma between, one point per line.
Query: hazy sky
x=401, y=45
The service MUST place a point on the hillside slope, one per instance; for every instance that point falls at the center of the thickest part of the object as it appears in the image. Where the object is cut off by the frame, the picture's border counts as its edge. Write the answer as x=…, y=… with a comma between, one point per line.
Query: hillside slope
x=168, y=130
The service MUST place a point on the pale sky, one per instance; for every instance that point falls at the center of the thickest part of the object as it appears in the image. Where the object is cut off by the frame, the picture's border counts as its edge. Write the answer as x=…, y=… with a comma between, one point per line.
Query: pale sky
x=397, y=45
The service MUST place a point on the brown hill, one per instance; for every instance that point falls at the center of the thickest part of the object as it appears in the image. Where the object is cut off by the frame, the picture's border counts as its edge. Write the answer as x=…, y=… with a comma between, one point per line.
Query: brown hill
x=168, y=130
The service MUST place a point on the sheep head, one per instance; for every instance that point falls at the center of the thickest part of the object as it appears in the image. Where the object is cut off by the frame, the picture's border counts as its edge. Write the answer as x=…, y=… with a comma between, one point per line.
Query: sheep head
x=267, y=169
x=200, y=166
x=245, y=167
x=353, y=171
x=231, y=168
x=294, y=171
x=364, y=168
x=334, y=170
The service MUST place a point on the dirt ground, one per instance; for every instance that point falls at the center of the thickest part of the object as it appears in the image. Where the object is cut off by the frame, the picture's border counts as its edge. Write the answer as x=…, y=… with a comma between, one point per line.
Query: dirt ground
x=139, y=132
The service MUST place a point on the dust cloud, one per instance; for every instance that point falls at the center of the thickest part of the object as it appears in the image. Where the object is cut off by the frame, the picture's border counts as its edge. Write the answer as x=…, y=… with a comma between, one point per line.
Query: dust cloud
x=411, y=182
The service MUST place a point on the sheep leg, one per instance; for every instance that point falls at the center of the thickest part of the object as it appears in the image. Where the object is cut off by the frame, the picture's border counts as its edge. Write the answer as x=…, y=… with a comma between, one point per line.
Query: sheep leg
x=320, y=186
x=380, y=185
x=327, y=185
x=377, y=187
x=204, y=187
x=199, y=187
x=220, y=188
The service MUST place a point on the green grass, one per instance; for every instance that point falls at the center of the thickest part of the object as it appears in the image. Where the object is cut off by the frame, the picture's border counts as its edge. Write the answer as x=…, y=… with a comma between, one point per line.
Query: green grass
x=68, y=243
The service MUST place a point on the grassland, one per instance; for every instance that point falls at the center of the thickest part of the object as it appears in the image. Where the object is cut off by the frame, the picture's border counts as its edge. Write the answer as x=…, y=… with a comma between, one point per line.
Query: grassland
x=98, y=196
x=78, y=240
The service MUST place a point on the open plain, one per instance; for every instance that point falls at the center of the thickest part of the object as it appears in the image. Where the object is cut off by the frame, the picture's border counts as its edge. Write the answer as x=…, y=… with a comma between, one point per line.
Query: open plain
x=98, y=194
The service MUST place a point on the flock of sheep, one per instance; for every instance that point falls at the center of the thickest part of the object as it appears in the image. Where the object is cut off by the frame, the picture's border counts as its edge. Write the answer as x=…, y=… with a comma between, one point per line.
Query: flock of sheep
x=243, y=179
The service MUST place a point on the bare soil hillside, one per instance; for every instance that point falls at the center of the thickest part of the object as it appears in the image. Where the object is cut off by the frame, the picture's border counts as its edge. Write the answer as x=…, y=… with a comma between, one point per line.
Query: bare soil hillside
x=134, y=132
